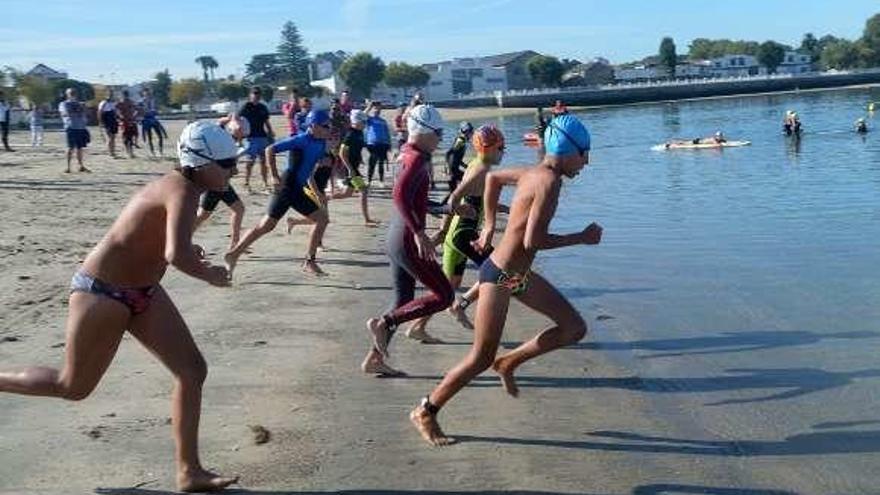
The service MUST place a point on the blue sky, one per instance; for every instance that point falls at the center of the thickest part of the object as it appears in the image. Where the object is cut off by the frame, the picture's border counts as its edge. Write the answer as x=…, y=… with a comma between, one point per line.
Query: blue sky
x=125, y=41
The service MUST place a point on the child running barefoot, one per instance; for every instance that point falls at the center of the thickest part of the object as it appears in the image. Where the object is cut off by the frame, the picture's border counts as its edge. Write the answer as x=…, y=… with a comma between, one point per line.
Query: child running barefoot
x=507, y=272
x=118, y=289
x=410, y=250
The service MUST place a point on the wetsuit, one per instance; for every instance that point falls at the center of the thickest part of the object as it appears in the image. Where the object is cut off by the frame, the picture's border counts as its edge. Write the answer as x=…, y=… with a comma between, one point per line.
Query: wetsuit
x=455, y=161
x=411, y=206
x=151, y=122
x=306, y=151
x=457, y=247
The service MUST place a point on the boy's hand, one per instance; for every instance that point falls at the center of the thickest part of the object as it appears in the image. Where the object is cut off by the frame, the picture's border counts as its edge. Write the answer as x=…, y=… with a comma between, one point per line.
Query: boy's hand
x=484, y=241
x=218, y=276
x=425, y=246
x=592, y=234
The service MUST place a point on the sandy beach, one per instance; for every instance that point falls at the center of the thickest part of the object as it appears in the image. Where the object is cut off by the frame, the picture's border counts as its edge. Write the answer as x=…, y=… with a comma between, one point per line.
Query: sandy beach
x=283, y=351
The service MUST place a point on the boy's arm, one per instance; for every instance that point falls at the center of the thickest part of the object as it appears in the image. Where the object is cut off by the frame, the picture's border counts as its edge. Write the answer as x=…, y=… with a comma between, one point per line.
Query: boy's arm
x=179, y=250
x=541, y=213
x=495, y=181
x=270, y=160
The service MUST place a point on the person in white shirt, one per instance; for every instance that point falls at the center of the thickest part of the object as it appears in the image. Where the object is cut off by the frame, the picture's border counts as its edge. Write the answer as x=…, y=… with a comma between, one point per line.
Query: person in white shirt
x=107, y=120
x=35, y=119
x=5, y=109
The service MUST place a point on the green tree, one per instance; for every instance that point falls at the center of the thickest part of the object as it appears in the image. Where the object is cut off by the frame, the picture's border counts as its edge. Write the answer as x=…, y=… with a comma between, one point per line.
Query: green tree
x=208, y=63
x=546, y=70
x=840, y=54
x=232, y=91
x=704, y=48
x=810, y=45
x=186, y=91
x=404, y=76
x=84, y=90
x=35, y=89
x=161, y=88
x=668, y=57
x=293, y=58
x=362, y=72
x=265, y=69
x=771, y=54
x=870, y=42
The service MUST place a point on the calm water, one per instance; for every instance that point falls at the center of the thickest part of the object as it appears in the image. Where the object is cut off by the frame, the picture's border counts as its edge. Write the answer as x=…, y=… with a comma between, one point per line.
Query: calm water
x=781, y=236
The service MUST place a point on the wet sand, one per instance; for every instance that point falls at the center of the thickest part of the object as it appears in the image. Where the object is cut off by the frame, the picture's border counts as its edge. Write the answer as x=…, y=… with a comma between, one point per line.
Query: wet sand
x=283, y=351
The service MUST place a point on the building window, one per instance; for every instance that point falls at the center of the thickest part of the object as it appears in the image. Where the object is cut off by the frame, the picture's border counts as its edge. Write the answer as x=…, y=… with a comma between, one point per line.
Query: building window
x=459, y=74
x=475, y=73
x=494, y=80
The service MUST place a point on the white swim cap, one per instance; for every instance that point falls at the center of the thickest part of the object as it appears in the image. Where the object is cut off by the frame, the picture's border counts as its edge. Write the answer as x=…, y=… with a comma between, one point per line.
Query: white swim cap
x=424, y=119
x=202, y=143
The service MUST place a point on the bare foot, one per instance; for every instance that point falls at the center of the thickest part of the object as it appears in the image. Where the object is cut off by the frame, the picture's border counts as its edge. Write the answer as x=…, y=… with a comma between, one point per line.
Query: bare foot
x=428, y=427
x=460, y=316
x=83, y=169
x=416, y=332
x=67, y=171
x=203, y=481
x=291, y=223
x=380, y=335
x=375, y=366
x=230, y=260
x=372, y=223
x=505, y=372
x=311, y=266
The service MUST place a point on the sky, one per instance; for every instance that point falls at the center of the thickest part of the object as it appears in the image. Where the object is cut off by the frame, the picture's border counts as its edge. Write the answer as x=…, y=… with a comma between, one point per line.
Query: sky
x=123, y=41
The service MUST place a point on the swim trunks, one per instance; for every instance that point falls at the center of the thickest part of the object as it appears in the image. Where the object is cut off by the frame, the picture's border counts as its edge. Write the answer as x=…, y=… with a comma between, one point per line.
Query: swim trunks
x=518, y=283
x=136, y=300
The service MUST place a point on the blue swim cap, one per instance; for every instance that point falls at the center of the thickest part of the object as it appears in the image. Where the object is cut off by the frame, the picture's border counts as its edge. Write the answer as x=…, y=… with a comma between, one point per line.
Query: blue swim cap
x=317, y=117
x=566, y=135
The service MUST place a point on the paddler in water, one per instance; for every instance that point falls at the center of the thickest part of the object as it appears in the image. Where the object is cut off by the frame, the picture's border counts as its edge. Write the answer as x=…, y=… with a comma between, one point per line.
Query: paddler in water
x=861, y=126
x=717, y=139
x=791, y=124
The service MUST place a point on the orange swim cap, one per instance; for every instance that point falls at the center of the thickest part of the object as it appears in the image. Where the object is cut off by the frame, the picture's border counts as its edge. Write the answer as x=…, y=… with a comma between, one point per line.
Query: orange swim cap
x=487, y=138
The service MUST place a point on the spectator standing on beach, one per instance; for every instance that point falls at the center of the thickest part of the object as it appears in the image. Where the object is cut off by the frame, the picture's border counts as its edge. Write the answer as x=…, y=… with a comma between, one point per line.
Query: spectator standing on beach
x=35, y=119
x=257, y=114
x=5, y=111
x=108, y=121
x=73, y=115
x=149, y=112
x=290, y=109
x=378, y=142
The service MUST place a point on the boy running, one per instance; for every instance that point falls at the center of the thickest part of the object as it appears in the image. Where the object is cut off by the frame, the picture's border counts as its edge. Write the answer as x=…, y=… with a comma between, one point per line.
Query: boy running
x=128, y=112
x=296, y=189
x=351, y=154
x=409, y=247
x=507, y=272
x=118, y=289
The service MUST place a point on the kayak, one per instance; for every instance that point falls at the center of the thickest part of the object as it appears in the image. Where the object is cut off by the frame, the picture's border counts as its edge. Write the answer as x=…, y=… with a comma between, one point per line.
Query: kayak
x=702, y=146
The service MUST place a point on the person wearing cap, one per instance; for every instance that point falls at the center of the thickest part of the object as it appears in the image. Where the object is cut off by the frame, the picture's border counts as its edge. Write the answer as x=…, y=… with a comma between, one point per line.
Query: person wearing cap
x=238, y=128
x=861, y=126
x=351, y=154
x=455, y=156
x=459, y=233
x=507, y=272
x=410, y=249
x=257, y=114
x=295, y=188
x=791, y=124
x=378, y=142
x=117, y=289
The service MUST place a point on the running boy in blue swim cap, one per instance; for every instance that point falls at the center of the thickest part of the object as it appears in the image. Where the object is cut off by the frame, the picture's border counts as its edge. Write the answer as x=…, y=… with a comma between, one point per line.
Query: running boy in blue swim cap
x=507, y=272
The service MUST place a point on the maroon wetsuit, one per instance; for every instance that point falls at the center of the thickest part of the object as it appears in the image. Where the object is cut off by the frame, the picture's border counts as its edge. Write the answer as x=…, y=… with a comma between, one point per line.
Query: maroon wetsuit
x=411, y=206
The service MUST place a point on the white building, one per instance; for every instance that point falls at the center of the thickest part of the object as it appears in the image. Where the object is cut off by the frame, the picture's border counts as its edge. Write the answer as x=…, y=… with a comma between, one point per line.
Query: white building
x=637, y=72
x=463, y=76
x=46, y=73
x=737, y=66
x=795, y=63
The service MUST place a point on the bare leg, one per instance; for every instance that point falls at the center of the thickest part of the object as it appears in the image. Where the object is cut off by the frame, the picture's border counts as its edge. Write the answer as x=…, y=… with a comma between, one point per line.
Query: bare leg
x=569, y=328
x=293, y=222
x=79, y=159
x=320, y=220
x=369, y=222
x=248, y=169
x=95, y=326
x=162, y=330
x=236, y=220
x=267, y=224
x=458, y=311
x=201, y=216
x=491, y=316
x=374, y=362
x=264, y=172
x=69, y=159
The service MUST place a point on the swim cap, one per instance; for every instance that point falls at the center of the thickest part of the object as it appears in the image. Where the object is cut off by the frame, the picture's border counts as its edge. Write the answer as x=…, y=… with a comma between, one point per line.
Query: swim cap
x=202, y=143
x=465, y=128
x=317, y=117
x=357, y=117
x=487, y=138
x=424, y=119
x=566, y=135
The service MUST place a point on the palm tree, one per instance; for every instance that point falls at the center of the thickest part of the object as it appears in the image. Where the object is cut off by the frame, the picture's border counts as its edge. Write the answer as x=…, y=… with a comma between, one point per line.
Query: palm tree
x=208, y=63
